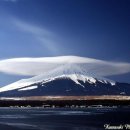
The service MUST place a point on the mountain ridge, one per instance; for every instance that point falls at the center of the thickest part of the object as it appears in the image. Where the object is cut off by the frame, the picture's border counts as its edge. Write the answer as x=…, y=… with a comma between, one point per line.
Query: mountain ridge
x=41, y=78
x=65, y=85
x=66, y=80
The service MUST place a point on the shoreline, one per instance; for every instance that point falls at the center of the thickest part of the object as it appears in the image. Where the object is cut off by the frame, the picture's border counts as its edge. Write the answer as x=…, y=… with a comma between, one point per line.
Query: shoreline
x=65, y=101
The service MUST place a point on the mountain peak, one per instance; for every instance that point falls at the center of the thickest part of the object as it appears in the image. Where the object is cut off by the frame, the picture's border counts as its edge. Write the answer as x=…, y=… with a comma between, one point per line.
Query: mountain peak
x=76, y=78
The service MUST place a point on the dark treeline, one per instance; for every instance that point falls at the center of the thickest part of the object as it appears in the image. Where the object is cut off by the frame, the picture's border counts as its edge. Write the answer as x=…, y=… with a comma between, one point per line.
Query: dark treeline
x=63, y=103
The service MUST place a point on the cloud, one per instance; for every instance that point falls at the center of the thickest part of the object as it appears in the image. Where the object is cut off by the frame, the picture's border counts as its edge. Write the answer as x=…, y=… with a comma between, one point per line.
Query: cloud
x=70, y=64
x=43, y=36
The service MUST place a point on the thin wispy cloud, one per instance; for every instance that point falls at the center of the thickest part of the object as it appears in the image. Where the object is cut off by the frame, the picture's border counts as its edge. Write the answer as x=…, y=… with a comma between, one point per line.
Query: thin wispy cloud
x=38, y=66
x=31, y=28
x=43, y=36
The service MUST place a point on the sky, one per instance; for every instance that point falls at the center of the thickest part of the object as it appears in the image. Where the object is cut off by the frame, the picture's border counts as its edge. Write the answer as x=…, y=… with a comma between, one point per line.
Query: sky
x=98, y=29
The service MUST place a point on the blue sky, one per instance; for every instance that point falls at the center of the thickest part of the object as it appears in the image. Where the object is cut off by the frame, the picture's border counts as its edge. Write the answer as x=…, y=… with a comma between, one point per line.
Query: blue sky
x=97, y=29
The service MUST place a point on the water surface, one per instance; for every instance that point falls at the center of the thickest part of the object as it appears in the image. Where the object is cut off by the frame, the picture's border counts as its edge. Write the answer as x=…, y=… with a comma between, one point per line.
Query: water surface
x=62, y=118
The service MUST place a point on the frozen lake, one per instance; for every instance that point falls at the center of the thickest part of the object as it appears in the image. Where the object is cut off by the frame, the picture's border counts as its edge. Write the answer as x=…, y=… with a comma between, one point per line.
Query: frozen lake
x=62, y=119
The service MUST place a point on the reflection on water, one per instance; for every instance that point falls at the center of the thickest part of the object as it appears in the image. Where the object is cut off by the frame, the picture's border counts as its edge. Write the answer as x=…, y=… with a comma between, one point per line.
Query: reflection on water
x=61, y=119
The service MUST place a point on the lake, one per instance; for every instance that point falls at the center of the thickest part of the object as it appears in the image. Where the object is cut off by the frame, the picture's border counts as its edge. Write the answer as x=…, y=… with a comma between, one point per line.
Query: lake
x=63, y=118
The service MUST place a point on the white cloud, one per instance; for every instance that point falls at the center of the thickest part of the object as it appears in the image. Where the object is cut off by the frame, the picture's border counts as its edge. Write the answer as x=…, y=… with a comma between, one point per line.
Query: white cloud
x=36, y=30
x=37, y=66
x=46, y=38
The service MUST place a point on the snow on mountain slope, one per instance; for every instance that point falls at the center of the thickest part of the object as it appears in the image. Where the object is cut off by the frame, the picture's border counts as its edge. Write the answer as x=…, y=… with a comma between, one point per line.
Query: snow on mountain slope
x=28, y=88
x=75, y=73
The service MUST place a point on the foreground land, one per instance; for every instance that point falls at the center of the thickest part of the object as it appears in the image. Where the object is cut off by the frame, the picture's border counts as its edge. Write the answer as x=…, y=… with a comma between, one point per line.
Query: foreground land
x=65, y=101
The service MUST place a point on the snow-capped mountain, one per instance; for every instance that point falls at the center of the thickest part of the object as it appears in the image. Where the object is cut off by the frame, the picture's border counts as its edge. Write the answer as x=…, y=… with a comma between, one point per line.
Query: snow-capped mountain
x=64, y=81
x=26, y=84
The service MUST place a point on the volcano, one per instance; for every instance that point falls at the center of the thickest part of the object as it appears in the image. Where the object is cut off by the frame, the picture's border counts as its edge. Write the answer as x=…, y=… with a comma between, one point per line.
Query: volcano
x=71, y=78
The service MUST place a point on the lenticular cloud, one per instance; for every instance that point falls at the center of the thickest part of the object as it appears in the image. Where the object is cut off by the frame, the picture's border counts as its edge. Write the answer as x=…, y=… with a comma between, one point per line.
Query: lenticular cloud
x=67, y=64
